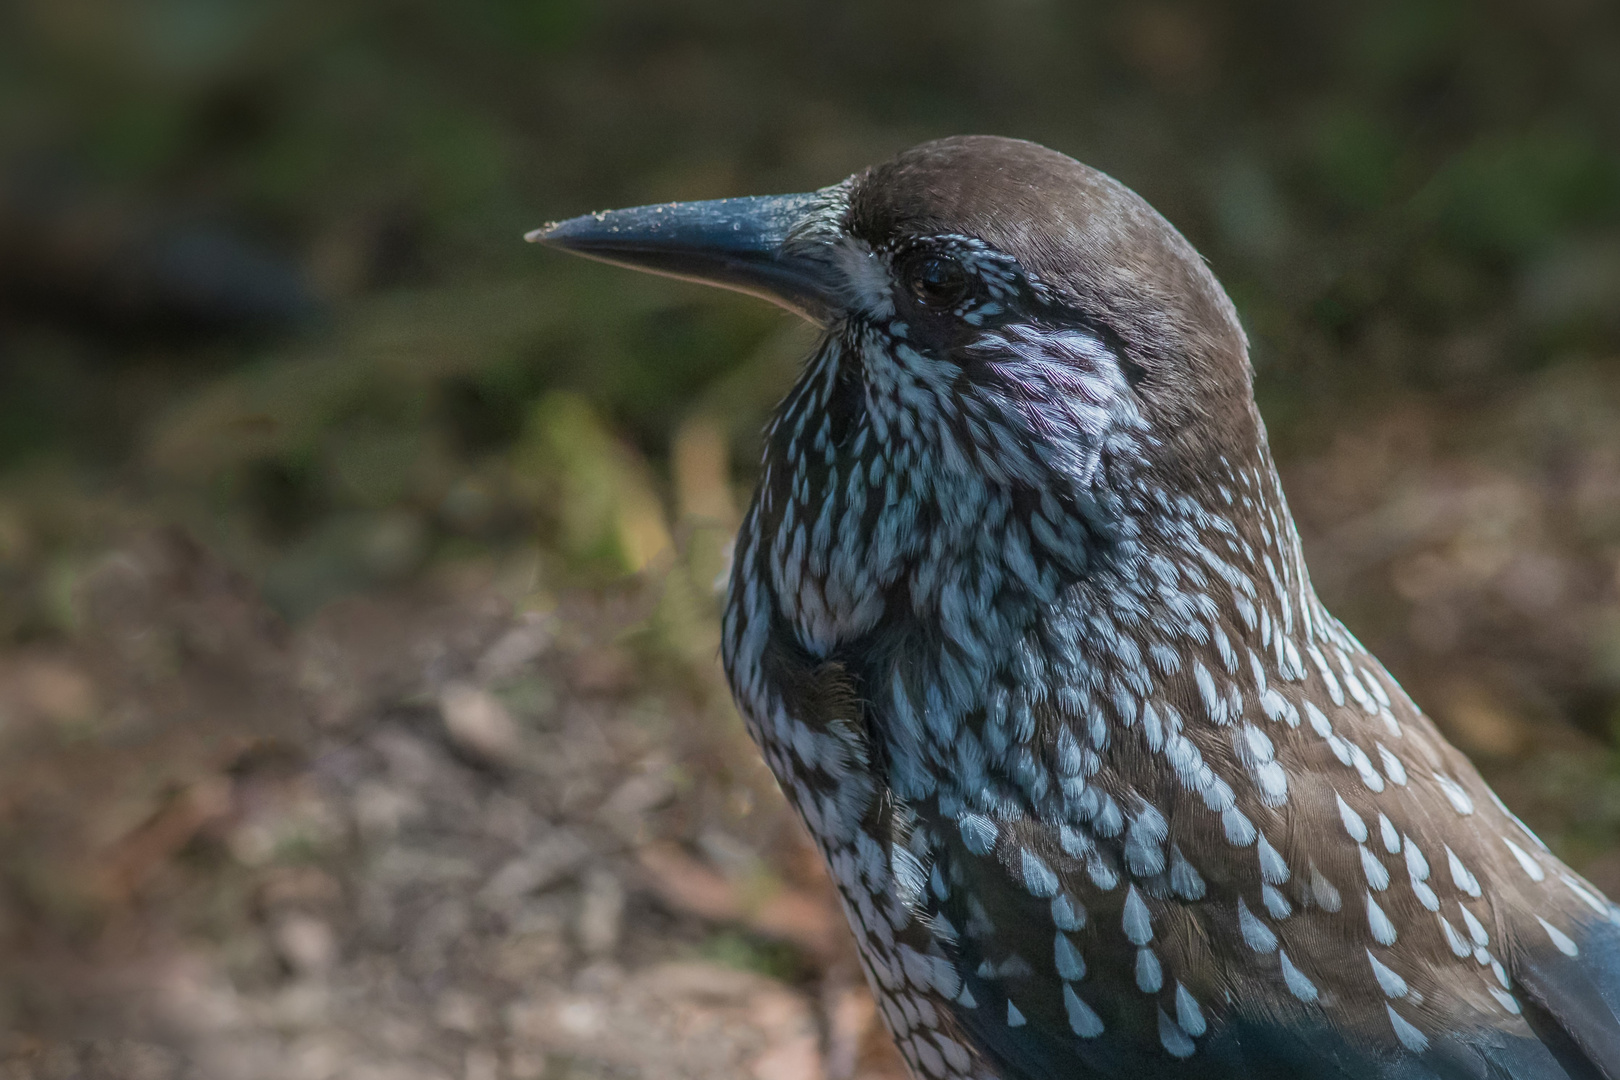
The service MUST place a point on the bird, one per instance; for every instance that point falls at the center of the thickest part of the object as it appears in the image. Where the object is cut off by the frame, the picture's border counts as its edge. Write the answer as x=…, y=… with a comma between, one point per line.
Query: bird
x=1021, y=622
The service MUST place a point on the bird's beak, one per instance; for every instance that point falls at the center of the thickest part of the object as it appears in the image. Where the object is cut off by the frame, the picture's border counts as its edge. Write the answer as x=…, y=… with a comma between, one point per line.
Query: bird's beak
x=744, y=244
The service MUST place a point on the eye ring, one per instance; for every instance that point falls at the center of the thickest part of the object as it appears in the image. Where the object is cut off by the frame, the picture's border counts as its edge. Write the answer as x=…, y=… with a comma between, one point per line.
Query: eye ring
x=937, y=281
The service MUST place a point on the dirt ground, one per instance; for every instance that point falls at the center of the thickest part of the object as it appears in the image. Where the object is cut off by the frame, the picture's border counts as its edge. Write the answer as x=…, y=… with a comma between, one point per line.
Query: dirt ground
x=428, y=835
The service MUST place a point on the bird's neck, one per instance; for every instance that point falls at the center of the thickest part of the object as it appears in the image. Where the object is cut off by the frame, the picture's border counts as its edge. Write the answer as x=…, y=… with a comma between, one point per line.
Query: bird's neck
x=860, y=535
x=1209, y=584
x=1224, y=544
x=935, y=587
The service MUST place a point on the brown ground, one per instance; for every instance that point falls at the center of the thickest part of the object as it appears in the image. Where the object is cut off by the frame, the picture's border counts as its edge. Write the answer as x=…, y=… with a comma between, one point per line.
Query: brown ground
x=424, y=836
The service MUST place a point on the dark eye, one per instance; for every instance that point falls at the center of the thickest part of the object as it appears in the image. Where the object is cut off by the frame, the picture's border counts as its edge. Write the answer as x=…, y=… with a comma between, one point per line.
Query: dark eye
x=937, y=281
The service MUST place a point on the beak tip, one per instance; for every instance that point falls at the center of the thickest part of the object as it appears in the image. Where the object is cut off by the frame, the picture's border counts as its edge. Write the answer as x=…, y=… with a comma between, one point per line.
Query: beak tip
x=575, y=233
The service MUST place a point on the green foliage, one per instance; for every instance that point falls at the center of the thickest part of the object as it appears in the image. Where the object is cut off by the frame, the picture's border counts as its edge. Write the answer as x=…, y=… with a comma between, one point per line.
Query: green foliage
x=608, y=518
x=1509, y=196
x=749, y=953
x=1357, y=158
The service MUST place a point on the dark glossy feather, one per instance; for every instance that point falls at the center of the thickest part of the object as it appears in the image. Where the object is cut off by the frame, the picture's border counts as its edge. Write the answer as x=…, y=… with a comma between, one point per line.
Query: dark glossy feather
x=1577, y=995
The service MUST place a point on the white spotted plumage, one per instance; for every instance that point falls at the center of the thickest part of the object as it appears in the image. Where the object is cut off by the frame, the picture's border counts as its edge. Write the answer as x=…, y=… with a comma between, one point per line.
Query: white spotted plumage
x=1085, y=743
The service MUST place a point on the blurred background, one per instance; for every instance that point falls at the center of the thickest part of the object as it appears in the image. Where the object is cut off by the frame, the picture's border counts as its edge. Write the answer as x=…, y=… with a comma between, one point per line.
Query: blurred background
x=359, y=704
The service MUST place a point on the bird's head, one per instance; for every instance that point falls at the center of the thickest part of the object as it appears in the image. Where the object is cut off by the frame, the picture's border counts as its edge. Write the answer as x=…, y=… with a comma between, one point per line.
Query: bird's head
x=984, y=297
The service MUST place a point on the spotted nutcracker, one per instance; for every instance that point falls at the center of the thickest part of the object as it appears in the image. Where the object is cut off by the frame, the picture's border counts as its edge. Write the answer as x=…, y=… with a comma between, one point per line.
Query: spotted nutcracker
x=1020, y=621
